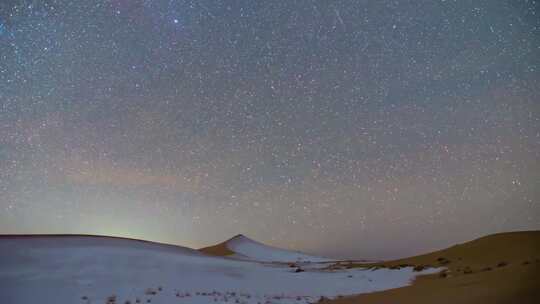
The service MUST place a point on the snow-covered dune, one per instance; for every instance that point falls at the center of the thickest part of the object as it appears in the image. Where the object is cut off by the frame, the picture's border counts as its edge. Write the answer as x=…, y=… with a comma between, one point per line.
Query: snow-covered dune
x=244, y=247
x=87, y=270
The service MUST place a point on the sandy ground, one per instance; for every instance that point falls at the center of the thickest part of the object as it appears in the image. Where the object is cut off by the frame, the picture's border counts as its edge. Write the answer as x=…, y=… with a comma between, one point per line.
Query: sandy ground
x=500, y=268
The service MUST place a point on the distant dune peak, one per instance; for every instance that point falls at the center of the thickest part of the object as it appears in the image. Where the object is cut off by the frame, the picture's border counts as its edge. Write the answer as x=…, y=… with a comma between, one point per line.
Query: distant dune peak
x=240, y=237
x=243, y=247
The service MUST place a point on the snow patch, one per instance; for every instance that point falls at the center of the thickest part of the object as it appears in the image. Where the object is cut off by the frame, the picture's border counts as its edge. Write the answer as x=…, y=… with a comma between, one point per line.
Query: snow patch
x=82, y=270
x=246, y=248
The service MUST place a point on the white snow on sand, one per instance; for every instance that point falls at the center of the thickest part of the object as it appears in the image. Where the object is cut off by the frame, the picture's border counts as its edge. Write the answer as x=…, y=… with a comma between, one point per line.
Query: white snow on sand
x=246, y=248
x=87, y=270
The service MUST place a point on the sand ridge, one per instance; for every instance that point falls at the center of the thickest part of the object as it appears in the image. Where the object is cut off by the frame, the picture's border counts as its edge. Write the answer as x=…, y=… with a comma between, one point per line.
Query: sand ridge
x=220, y=249
x=242, y=247
x=499, y=268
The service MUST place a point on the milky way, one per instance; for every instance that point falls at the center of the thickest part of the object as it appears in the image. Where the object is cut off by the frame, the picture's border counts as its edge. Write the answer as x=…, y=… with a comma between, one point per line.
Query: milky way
x=350, y=128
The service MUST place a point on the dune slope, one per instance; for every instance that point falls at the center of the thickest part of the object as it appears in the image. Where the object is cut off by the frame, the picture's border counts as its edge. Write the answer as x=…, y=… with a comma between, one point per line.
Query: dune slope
x=242, y=247
x=499, y=268
x=220, y=249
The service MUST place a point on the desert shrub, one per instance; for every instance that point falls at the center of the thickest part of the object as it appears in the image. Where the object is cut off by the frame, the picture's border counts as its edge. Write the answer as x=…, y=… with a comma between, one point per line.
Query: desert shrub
x=404, y=265
x=419, y=267
x=526, y=263
x=486, y=269
x=150, y=291
x=467, y=270
x=299, y=270
x=502, y=264
x=443, y=261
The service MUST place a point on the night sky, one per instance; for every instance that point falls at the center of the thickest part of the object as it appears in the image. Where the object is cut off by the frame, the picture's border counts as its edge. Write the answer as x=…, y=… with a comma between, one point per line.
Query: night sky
x=347, y=128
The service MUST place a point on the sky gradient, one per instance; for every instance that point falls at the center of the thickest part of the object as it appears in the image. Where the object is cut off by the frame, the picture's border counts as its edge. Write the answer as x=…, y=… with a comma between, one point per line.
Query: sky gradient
x=368, y=129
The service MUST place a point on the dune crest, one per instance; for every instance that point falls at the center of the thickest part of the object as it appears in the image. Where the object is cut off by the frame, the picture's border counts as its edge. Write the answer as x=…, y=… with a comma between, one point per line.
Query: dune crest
x=242, y=247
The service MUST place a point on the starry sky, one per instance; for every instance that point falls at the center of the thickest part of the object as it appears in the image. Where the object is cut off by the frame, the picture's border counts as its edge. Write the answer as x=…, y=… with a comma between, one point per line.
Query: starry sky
x=367, y=129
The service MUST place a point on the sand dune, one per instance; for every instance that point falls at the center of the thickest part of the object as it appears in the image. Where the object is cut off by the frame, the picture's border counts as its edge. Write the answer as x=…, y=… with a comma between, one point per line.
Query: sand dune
x=88, y=269
x=220, y=249
x=500, y=268
x=242, y=247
